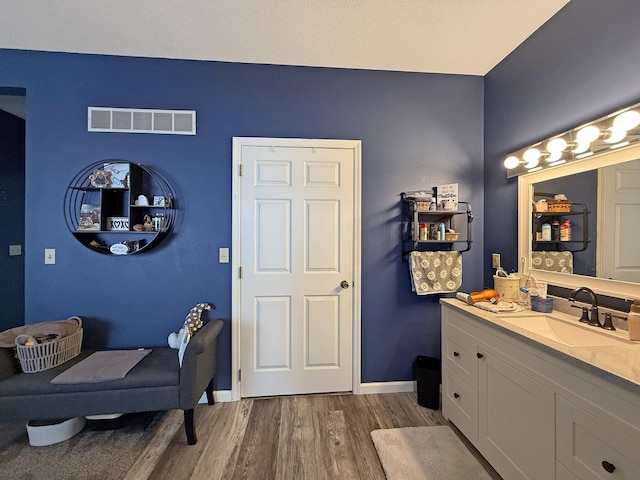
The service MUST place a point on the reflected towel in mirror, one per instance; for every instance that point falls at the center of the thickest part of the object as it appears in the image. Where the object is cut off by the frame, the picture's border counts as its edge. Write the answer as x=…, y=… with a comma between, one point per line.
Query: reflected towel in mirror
x=561, y=262
x=435, y=272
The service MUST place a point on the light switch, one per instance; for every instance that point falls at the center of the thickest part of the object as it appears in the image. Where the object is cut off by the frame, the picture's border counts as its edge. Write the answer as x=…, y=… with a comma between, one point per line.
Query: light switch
x=49, y=256
x=223, y=255
x=15, y=250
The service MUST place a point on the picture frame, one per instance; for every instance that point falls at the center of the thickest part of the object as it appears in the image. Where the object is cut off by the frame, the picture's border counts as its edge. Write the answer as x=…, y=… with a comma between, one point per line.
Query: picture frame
x=159, y=201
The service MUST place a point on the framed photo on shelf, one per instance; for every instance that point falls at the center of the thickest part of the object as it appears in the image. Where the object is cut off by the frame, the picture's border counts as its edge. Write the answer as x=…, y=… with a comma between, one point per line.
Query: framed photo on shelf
x=89, y=217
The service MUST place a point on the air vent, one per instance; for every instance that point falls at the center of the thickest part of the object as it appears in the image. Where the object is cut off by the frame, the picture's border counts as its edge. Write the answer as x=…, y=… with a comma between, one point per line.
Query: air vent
x=129, y=120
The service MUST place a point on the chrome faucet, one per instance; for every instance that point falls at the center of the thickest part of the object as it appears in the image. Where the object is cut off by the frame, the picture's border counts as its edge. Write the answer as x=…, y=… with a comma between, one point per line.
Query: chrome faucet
x=595, y=315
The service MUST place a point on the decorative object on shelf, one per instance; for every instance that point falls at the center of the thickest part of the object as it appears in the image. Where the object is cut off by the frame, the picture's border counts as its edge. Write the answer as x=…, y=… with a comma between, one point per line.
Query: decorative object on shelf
x=118, y=223
x=119, y=249
x=559, y=203
x=159, y=201
x=119, y=174
x=107, y=205
x=100, y=178
x=447, y=197
x=89, y=217
x=142, y=200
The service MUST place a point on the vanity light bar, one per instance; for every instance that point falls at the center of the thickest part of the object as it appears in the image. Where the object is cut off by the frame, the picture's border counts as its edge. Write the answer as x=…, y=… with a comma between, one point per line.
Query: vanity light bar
x=616, y=130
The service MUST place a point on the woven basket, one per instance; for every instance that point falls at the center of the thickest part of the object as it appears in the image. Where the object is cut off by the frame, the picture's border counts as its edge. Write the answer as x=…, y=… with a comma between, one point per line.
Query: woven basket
x=43, y=356
x=559, y=206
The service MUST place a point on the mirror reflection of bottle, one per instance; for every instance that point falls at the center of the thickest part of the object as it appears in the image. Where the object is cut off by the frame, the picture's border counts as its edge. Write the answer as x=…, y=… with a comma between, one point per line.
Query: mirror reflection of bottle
x=555, y=230
x=546, y=232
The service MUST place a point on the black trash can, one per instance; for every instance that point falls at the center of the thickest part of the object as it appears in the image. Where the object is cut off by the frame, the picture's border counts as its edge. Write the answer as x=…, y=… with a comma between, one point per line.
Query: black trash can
x=428, y=378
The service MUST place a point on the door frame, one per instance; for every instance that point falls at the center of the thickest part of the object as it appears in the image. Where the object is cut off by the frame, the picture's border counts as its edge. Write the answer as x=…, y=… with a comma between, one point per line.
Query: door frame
x=236, y=237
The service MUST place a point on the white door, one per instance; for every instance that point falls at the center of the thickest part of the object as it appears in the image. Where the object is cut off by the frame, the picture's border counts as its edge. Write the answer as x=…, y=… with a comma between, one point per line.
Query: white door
x=619, y=229
x=296, y=302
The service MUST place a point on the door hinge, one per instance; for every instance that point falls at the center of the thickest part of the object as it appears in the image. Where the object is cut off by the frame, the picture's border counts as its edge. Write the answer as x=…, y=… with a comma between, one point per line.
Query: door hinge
x=239, y=374
x=241, y=169
x=240, y=272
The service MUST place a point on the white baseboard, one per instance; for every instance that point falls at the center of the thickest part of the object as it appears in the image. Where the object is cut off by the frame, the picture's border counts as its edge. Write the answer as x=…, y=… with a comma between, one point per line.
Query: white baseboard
x=387, y=387
x=223, y=396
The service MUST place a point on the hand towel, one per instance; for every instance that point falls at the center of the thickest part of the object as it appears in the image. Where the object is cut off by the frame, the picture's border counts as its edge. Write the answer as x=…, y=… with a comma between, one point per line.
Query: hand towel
x=435, y=272
x=561, y=262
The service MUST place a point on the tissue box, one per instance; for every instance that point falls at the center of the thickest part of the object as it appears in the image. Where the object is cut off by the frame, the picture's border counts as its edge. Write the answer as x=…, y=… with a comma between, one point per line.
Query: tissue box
x=539, y=304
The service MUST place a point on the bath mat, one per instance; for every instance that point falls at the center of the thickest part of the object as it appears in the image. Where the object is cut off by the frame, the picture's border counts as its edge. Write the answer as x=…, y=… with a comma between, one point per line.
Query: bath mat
x=426, y=453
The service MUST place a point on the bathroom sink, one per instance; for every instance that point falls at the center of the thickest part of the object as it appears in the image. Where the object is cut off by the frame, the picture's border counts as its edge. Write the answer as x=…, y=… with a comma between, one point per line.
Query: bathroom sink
x=567, y=332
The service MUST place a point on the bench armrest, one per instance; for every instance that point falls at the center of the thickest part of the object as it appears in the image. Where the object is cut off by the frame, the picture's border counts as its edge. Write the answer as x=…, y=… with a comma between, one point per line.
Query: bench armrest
x=199, y=363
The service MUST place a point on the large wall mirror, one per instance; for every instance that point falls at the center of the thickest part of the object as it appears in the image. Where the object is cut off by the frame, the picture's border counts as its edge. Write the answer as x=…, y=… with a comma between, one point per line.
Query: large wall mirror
x=603, y=252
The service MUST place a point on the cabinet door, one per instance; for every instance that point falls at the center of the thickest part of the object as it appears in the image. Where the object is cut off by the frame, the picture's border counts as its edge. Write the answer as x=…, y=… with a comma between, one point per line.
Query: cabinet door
x=517, y=419
x=592, y=448
x=460, y=404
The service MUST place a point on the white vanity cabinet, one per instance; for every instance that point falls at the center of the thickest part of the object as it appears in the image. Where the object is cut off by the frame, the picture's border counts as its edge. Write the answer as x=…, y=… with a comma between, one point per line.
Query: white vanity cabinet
x=496, y=402
x=531, y=413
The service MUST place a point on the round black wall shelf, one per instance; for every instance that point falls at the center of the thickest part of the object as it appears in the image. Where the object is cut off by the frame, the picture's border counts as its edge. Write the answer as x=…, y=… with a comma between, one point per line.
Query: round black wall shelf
x=117, y=207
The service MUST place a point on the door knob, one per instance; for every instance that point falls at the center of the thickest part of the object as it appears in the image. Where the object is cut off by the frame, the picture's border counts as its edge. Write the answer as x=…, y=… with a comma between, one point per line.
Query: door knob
x=344, y=284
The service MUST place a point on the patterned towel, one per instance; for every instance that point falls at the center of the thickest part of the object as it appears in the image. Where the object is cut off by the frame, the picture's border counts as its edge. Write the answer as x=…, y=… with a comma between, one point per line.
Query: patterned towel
x=435, y=272
x=553, y=261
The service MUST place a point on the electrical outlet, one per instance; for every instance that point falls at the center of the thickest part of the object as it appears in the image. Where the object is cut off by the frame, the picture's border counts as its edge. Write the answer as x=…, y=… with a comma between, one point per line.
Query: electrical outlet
x=49, y=256
x=223, y=255
x=495, y=260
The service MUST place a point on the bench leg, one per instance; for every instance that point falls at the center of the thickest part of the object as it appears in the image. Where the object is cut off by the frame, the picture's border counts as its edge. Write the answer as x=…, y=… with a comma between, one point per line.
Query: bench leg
x=209, y=391
x=189, y=427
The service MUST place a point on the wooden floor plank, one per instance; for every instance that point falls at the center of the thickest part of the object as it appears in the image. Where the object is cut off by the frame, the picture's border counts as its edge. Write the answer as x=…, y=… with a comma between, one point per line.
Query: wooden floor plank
x=305, y=437
x=222, y=448
x=361, y=421
x=334, y=452
x=259, y=446
x=296, y=456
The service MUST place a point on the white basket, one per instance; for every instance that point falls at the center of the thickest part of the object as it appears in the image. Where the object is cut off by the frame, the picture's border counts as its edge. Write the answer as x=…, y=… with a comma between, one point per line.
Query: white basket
x=43, y=356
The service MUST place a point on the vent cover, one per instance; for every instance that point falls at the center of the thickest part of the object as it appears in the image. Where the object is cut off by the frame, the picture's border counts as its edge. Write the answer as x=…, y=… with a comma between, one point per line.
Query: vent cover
x=175, y=122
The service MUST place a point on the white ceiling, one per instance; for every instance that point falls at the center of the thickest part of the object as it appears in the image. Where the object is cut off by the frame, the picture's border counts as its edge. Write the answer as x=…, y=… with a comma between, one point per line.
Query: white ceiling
x=437, y=36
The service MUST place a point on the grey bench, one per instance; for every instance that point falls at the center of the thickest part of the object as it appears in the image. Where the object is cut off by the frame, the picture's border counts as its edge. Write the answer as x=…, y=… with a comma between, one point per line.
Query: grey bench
x=157, y=383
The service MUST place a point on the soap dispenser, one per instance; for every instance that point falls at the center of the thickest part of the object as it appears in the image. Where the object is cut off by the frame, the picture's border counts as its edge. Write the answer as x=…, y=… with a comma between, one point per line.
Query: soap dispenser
x=633, y=321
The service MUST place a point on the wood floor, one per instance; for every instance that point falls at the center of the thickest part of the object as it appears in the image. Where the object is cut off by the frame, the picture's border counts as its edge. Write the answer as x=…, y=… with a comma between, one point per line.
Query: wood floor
x=286, y=438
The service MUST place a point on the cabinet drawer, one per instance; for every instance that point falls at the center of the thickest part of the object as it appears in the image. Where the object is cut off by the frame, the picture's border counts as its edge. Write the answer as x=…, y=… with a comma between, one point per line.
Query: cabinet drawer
x=592, y=448
x=460, y=351
x=460, y=404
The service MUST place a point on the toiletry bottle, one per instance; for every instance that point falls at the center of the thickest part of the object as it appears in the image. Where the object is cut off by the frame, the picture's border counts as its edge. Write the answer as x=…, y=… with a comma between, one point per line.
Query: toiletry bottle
x=546, y=232
x=442, y=232
x=633, y=321
x=423, y=231
x=565, y=231
x=555, y=230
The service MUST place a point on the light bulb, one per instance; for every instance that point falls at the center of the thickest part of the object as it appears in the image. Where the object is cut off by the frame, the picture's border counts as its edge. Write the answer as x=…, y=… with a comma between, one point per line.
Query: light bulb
x=554, y=156
x=588, y=134
x=615, y=134
x=581, y=147
x=627, y=120
x=531, y=155
x=557, y=145
x=511, y=162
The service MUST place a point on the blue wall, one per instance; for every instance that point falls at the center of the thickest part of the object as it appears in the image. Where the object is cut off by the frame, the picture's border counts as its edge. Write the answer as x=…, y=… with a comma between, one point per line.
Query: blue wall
x=12, y=130
x=582, y=64
x=417, y=131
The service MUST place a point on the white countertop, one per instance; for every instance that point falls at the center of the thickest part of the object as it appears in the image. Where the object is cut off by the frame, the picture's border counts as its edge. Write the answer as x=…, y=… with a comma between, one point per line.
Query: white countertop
x=616, y=363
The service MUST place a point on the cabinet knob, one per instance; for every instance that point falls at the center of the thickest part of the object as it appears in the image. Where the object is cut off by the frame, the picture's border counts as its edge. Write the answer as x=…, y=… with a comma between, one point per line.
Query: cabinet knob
x=457, y=395
x=456, y=354
x=479, y=355
x=608, y=467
